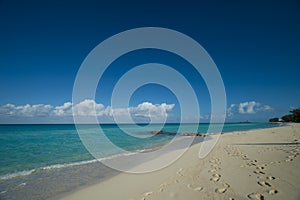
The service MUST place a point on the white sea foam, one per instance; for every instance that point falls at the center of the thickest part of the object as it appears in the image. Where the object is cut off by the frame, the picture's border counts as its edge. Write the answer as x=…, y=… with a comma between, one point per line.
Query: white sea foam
x=16, y=174
x=64, y=165
x=58, y=166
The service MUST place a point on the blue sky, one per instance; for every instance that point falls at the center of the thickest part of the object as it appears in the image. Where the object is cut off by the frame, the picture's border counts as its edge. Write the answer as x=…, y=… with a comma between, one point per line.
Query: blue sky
x=254, y=44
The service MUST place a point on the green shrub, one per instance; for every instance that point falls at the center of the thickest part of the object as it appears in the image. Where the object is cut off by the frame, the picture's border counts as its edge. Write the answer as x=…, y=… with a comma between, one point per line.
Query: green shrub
x=275, y=119
x=294, y=117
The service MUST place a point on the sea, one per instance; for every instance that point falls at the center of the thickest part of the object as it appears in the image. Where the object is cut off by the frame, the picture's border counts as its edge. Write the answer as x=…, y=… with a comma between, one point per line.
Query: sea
x=44, y=161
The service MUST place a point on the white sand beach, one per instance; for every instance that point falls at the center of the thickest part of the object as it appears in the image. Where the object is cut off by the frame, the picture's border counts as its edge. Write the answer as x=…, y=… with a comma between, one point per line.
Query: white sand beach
x=257, y=164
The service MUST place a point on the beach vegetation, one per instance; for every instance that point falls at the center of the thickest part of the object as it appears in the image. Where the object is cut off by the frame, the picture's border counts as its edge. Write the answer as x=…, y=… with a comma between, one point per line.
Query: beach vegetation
x=293, y=117
x=275, y=119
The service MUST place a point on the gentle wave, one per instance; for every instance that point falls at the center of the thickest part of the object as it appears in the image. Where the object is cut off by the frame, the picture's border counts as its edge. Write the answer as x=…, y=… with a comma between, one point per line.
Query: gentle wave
x=16, y=174
x=64, y=165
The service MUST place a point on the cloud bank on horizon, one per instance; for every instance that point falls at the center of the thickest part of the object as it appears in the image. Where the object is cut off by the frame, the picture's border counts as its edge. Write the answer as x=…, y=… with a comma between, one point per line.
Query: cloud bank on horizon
x=86, y=109
x=89, y=108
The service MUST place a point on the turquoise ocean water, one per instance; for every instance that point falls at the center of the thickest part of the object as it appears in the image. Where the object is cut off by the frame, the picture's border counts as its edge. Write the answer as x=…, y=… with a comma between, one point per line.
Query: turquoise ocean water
x=38, y=161
x=28, y=147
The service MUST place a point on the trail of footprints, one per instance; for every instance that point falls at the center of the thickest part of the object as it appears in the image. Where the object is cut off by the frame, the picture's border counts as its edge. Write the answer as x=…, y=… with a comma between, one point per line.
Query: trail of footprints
x=265, y=181
x=216, y=177
x=165, y=185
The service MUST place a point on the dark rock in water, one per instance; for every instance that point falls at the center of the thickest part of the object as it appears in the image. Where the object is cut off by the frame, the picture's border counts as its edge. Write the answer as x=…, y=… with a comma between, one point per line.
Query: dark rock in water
x=156, y=132
x=191, y=134
x=163, y=132
x=174, y=133
x=188, y=134
x=199, y=134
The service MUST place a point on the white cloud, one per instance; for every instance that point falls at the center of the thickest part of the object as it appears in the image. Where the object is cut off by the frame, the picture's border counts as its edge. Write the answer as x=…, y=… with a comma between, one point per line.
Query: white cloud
x=65, y=109
x=26, y=110
x=87, y=108
x=230, y=110
x=148, y=109
x=249, y=107
x=265, y=108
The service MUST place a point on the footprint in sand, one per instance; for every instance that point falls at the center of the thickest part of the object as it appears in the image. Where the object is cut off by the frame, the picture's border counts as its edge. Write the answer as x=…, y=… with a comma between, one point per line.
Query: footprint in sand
x=179, y=172
x=257, y=196
x=195, y=189
x=273, y=191
x=251, y=164
x=258, y=172
x=221, y=190
x=260, y=167
x=214, y=160
x=271, y=178
x=244, y=157
x=216, y=175
x=212, y=170
x=214, y=165
x=264, y=184
x=198, y=189
x=226, y=185
x=292, y=156
x=215, y=179
x=147, y=193
x=288, y=160
x=162, y=187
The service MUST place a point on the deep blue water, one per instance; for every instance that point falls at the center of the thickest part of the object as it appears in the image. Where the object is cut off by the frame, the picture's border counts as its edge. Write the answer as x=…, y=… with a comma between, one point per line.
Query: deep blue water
x=24, y=148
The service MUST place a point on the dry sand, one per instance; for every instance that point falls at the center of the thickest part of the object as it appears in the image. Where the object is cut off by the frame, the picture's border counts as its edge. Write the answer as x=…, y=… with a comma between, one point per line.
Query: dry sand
x=257, y=164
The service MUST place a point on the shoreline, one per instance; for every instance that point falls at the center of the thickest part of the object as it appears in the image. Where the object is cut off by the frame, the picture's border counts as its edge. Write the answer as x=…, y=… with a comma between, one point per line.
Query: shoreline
x=83, y=162
x=266, y=167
